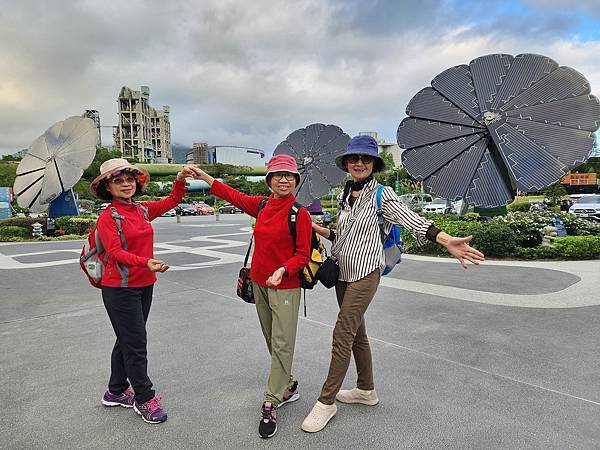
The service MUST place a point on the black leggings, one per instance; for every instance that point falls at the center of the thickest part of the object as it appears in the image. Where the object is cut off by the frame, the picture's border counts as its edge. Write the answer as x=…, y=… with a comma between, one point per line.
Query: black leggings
x=128, y=310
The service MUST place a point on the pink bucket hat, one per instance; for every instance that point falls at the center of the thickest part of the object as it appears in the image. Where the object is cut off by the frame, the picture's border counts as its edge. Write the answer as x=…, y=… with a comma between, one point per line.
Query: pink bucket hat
x=282, y=163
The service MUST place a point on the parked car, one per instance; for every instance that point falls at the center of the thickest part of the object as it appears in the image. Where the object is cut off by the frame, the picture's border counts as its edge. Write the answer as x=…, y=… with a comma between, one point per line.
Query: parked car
x=228, y=208
x=186, y=209
x=203, y=209
x=169, y=213
x=438, y=206
x=586, y=207
x=416, y=201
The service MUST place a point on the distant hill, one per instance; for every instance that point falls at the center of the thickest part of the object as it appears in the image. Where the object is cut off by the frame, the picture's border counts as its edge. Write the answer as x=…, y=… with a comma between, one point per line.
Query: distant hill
x=179, y=151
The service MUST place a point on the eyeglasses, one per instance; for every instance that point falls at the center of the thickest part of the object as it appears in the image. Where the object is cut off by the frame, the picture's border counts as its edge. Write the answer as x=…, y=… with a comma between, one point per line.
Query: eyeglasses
x=353, y=159
x=287, y=175
x=130, y=179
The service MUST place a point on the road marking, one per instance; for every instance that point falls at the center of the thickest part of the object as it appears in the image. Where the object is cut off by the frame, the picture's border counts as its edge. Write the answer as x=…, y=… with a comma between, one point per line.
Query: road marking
x=577, y=295
x=439, y=358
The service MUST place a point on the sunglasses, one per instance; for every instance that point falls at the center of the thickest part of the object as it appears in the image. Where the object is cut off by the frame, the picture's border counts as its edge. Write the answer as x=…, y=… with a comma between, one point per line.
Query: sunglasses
x=353, y=159
x=287, y=175
x=122, y=179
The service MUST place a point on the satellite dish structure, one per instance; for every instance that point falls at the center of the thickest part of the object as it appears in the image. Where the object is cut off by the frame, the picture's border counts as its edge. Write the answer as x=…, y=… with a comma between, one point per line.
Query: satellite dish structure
x=315, y=148
x=53, y=164
x=499, y=123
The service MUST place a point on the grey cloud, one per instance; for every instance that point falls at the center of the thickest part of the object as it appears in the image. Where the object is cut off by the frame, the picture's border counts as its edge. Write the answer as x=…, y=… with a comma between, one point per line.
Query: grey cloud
x=236, y=72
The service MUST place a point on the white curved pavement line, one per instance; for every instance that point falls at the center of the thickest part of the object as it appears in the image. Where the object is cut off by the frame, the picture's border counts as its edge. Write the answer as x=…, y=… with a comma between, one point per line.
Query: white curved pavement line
x=582, y=293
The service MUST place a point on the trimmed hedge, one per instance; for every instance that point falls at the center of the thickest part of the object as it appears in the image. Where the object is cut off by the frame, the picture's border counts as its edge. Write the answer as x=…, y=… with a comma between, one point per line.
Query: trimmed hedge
x=518, y=207
x=568, y=247
x=79, y=225
x=12, y=232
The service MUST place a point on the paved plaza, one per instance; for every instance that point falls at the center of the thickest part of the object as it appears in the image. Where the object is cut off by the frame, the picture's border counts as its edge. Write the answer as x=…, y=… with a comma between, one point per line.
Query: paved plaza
x=504, y=355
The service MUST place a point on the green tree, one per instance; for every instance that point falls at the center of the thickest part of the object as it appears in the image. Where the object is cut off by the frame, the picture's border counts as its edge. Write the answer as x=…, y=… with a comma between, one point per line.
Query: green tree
x=11, y=158
x=153, y=189
x=102, y=154
x=8, y=173
x=554, y=193
x=82, y=189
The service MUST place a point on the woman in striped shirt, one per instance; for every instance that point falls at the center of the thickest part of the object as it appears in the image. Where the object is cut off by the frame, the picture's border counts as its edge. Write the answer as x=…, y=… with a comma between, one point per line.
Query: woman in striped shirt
x=359, y=251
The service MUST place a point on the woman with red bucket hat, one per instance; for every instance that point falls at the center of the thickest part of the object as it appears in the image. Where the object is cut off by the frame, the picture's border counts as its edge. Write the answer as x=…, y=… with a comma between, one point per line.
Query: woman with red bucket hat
x=277, y=263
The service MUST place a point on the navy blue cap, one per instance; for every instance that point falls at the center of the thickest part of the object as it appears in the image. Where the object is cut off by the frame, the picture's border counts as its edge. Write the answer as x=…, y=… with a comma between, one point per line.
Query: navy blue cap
x=362, y=145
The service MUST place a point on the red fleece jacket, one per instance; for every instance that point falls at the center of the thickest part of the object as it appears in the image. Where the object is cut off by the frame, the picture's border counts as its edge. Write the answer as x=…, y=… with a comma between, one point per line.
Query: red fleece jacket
x=139, y=240
x=273, y=244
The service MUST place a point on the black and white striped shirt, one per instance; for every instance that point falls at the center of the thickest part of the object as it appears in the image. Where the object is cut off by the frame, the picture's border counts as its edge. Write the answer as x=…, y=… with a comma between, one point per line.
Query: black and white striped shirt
x=357, y=244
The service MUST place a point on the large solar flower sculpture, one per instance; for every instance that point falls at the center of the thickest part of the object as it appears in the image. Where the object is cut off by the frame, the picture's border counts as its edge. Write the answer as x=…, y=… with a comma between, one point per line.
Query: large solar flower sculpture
x=498, y=124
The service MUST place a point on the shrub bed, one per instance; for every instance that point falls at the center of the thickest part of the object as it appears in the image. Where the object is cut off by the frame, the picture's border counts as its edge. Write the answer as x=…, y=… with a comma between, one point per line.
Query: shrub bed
x=10, y=233
x=78, y=225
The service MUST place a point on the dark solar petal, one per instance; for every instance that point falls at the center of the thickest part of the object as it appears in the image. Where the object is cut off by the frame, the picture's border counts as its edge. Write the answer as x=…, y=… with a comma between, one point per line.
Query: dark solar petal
x=563, y=83
x=421, y=162
x=568, y=145
x=457, y=86
x=417, y=132
x=581, y=113
x=531, y=167
x=488, y=74
x=490, y=186
x=452, y=180
x=525, y=70
x=429, y=104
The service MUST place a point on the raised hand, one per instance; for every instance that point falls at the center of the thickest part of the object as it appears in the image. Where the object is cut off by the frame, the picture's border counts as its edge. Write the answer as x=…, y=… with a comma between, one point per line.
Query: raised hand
x=200, y=174
x=188, y=171
x=460, y=249
x=156, y=265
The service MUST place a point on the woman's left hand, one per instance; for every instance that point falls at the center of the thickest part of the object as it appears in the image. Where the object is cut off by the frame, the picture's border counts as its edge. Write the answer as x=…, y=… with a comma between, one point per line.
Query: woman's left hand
x=275, y=279
x=460, y=249
x=187, y=172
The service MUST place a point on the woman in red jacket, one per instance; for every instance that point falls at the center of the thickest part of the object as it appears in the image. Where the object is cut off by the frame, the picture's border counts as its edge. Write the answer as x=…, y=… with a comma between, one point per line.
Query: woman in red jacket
x=276, y=268
x=129, y=277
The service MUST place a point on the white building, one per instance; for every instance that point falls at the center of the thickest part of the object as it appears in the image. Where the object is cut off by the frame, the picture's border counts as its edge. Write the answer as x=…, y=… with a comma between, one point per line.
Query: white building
x=226, y=154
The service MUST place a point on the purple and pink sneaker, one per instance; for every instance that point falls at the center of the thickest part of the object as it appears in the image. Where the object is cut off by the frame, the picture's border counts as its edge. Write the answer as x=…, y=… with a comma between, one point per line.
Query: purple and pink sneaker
x=290, y=394
x=124, y=399
x=151, y=411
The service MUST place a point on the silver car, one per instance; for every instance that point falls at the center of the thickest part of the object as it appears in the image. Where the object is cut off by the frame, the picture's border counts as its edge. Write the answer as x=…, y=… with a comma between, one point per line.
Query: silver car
x=586, y=207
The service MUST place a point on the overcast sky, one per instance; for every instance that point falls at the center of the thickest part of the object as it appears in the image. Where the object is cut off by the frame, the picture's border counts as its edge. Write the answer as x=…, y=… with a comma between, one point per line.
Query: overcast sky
x=250, y=72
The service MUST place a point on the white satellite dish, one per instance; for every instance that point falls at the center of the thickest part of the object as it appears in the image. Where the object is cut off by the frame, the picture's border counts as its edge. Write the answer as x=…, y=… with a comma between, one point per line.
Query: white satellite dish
x=55, y=162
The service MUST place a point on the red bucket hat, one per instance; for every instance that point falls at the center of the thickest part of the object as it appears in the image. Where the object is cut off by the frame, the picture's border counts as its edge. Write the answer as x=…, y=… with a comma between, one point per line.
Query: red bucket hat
x=282, y=163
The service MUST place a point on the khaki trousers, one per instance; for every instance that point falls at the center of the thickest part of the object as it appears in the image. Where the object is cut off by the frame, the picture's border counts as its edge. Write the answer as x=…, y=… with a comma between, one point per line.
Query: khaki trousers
x=278, y=315
x=350, y=336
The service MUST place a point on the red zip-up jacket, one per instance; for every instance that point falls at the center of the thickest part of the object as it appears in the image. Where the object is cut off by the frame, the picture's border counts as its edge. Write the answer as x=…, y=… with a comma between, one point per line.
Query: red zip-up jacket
x=273, y=243
x=132, y=259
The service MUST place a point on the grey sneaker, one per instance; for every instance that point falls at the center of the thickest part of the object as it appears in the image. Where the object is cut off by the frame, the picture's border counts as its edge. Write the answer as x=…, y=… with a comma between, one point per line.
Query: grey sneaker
x=357, y=395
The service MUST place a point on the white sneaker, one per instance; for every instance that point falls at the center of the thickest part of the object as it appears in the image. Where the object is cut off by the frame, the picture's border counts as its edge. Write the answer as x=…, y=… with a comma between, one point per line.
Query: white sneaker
x=357, y=395
x=320, y=415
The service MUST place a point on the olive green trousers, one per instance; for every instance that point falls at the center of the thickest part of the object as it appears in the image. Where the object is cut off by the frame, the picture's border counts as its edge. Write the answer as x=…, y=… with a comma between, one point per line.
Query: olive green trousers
x=278, y=315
